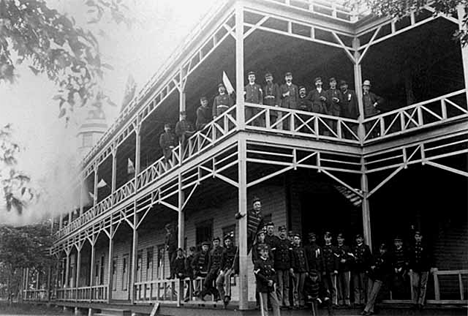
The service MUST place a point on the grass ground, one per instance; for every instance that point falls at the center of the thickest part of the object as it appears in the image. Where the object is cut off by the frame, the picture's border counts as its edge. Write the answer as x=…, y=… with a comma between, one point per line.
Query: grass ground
x=29, y=309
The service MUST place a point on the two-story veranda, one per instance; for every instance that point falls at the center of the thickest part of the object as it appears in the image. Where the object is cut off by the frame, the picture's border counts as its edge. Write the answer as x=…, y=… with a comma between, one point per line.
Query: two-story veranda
x=409, y=163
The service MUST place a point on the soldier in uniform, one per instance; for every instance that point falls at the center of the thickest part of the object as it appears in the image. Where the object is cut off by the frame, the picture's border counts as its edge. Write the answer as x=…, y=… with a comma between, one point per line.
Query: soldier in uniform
x=400, y=261
x=314, y=254
x=253, y=94
x=261, y=243
x=270, y=238
x=362, y=260
x=200, y=264
x=221, y=102
x=179, y=264
x=213, y=268
x=334, y=101
x=229, y=266
x=204, y=114
x=318, y=97
x=330, y=266
x=254, y=222
x=189, y=271
x=282, y=260
x=345, y=261
x=184, y=129
x=265, y=276
x=289, y=94
x=171, y=247
x=271, y=96
x=420, y=263
x=300, y=268
x=167, y=141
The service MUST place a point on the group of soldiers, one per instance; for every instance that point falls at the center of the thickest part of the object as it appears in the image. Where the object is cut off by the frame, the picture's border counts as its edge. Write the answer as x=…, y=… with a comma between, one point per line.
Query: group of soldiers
x=338, y=101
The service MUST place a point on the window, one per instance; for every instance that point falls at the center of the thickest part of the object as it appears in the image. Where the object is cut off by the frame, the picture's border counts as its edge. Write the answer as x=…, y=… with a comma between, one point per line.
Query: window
x=204, y=231
x=101, y=271
x=160, y=264
x=230, y=230
x=149, y=263
x=125, y=272
x=114, y=273
x=87, y=139
x=139, y=276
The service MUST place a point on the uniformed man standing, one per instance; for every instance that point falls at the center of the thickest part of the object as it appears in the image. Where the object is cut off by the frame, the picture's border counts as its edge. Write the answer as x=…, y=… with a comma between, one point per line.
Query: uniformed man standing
x=253, y=94
x=289, y=94
x=400, y=262
x=265, y=279
x=213, y=268
x=229, y=266
x=221, y=102
x=345, y=261
x=254, y=222
x=200, y=264
x=270, y=238
x=282, y=261
x=330, y=267
x=184, y=129
x=204, y=114
x=167, y=141
x=362, y=262
x=314, y=254
x=300, y=269
x=271, y=96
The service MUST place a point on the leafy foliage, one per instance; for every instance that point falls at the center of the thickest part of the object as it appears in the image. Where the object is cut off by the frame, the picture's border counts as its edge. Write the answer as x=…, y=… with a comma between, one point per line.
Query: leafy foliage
x=51, y=43
x=17, y=192
x=400, y=8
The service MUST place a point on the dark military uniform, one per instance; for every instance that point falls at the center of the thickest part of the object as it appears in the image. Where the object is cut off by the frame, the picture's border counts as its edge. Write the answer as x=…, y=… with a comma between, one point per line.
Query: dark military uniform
x=253, y=94
x=167, y=141
x=420, y=262
x=254, y=224
x=213, y=268
x=314, y=257
x=229, y=266
x=362, y=260
x=282, y=259
x=221, y=103
x=301, y=267
x=378, y=274
x=179, y=267
x=400, y=262
x=265, y=278
x=271, y=240
x=329, y=270
x=200, y=263
x=345, y=260
x=204, y=117
x=184, y=129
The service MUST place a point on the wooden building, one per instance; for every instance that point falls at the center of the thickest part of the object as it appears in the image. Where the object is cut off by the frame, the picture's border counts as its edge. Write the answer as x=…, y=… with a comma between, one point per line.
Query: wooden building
x=407, y=164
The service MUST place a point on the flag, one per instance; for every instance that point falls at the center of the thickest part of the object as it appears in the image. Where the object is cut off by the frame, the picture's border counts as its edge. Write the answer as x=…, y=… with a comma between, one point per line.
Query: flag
x=101, y=184
x=350, y=195
x=130, y=88
x=227, y=84
x=130, y=166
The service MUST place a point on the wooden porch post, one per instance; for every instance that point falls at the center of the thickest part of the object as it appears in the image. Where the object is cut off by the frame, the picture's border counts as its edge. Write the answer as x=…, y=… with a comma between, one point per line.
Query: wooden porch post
x=243, y=256
x=134, y=254
x=464, y=49
x=91, y=277
x=240, y=66
x=358, y=88
x=78, y=266
x=110, y=265
x=366, y=222
x=114, y=169
x=181, y=219
x=67, y=269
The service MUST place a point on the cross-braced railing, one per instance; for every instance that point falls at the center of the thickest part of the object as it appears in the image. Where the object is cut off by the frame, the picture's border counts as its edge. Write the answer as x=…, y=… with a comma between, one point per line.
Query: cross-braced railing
x=410, y=118
x=296, y=122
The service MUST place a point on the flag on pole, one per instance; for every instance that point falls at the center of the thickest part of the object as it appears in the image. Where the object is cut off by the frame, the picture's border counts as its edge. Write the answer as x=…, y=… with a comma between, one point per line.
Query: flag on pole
x=101, y=184
x=350, y=195
x=130, y=166
x=227, y=84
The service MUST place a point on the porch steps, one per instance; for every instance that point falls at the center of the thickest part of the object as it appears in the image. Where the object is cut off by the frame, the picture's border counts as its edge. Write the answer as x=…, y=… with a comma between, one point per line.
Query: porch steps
x=114, y=312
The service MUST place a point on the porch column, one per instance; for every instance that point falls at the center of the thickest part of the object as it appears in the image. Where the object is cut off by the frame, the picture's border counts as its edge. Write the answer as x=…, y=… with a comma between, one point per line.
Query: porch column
x=242, y=202
x=134, y=254
x=61, y=221
x=91, y=270
x=366, y=223
x=114, y=169
x=95, y=188
x=358, y=88
x=240, y=66
x=181, y=219
x=78, y=266
x=464, y=49
x=67, y=269
x=110, y=265
x=182, y=107
x=81, y=197
x=137, y=148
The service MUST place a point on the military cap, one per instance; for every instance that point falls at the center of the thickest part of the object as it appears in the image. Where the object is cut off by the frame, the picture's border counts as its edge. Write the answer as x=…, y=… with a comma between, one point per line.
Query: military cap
x=288, y=74
x=216, y=238
x=203, y=99
x=297, y=235
x=221, y=85
x=256, y=199
x=251, y=73
x=317, y=79
x=270, y=224
x=327, y=235
x=206, y=243
x=301, y=87
x=261, y=231
x=366, y=83
x=417, y=233
x=313, y=273
x=340, y=235
x=358, y=236
x=332, y=79
x=282, y=228
x=397, y=238
x=343, y=82
x=312, y=235
x=290, y=233
x=383, y=246
x=228, y=236
x=268, y=74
